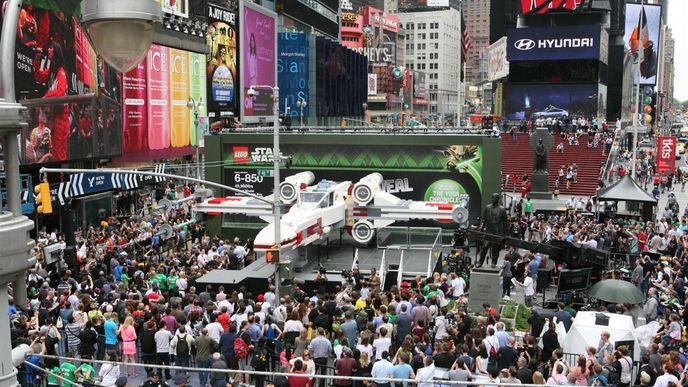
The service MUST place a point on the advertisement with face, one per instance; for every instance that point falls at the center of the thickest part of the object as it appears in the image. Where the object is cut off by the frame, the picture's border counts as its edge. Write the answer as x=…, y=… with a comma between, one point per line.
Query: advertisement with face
x=292, y=70
x=222, y=75
x=556, y=101
x=175, y=7
x=649, y=43
x=258, y=60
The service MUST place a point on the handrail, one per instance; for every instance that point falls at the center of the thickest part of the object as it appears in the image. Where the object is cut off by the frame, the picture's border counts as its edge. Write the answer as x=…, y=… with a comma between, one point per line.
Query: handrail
x=353, y=265
x=383, y=268
x=400, y=275
x=605, y=175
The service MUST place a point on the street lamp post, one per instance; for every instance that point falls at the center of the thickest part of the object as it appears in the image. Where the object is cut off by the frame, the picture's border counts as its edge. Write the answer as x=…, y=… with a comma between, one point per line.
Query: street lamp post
x=276, y=158
x=301, y=104
x=196, y=106
x=122, y=32
x=365, y=111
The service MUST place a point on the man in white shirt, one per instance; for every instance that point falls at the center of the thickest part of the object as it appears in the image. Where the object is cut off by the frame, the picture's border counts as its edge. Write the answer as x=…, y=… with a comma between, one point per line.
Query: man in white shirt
x=529, y=288
x=458, y=285
x=381, y=344
x=426, y=373
x=215, y=329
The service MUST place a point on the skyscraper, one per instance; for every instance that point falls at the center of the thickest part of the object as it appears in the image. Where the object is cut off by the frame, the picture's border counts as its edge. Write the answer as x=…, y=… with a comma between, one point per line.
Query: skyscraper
x=477, y=16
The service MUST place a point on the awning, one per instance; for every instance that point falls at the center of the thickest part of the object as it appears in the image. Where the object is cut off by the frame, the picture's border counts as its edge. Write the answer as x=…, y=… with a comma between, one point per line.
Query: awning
x=625, y=190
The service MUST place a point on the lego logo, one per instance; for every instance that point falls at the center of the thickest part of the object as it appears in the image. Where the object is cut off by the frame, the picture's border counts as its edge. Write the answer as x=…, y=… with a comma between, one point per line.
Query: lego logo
x=240, y=154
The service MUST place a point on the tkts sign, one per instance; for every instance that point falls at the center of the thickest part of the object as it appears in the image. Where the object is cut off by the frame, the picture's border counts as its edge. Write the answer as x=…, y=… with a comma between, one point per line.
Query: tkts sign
x=544, y=6
x=666, y=154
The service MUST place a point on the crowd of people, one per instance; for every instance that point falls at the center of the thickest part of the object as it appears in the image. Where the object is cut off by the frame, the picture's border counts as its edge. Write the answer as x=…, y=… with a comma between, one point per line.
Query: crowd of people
x=143, y=306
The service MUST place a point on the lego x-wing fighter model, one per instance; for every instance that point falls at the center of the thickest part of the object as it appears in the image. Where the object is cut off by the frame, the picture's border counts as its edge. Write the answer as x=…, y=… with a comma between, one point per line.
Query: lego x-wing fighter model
x=317, y=209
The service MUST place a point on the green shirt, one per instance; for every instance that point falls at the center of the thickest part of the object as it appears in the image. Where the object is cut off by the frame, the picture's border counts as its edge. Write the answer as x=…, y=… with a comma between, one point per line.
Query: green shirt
x=51, y=378
x=172, y=282
x=67, y=371
x=529, y=207
x=162, y=281
x=87, y=372
x=125, y=281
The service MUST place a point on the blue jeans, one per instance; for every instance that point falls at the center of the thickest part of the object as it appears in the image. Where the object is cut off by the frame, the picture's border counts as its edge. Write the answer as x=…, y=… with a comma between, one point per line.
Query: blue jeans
x=203, y=376
x=181, y=361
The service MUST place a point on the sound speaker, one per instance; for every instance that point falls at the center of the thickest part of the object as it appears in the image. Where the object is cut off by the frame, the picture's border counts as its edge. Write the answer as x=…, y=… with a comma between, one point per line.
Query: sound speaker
x=391, y=277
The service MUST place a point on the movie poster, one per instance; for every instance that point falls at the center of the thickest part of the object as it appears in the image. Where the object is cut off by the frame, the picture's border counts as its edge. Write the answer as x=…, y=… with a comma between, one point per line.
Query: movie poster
x=222, y=71
x=158, y=98
x=258, y=60
x=135, y=109
x=197, y=91
x=179, y=96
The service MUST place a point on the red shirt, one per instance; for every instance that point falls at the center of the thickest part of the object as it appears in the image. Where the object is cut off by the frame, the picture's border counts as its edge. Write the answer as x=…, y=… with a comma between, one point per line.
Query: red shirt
x=299, y=381
x=223, y=319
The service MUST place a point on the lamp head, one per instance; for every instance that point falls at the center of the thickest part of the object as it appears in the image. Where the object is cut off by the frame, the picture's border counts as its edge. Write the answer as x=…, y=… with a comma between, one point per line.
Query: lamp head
x=121, y=31
x=251, y=92
x=190, y=103
x=200, y=103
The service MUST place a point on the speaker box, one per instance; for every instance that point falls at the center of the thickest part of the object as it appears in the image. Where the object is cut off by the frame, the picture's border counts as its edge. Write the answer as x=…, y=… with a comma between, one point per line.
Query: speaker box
x=391, y=277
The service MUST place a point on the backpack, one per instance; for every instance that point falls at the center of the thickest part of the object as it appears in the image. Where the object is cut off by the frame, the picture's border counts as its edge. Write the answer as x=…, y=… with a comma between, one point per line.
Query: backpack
x=362, y=320
x=240, y=348
x=613, y=376
x=182, y=346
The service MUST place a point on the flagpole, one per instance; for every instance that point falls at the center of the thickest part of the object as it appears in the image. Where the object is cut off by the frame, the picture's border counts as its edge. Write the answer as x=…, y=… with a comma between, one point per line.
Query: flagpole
x=638, y=103
x=458, y=91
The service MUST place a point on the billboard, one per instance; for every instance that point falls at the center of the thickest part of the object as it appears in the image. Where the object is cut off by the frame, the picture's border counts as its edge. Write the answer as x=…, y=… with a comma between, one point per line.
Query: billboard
x=340, y=79
x=318, y=14
x=419, y=85
x=497, y=66
x=258, y=60
x=222, y=75
x=372, y=84
x=653, y=14
x=417, y=5
x=380, y=36
x=293, y=71
x=54, y=59
x=666, y=154
x=436, y=173
x=176, y=7
x=544, y=6
x=554, y=43
x=532, y=101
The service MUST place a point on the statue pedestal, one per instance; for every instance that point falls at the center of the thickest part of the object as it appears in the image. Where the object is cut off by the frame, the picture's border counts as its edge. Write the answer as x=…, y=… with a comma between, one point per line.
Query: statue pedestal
x=486, y=287
x=540, y=186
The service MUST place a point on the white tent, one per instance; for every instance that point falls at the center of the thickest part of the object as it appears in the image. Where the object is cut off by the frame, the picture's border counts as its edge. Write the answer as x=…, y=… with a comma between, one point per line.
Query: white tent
x=587, y=327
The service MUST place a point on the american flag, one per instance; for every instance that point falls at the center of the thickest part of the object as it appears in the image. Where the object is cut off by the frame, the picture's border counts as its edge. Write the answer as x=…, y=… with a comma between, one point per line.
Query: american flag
x=465, y=39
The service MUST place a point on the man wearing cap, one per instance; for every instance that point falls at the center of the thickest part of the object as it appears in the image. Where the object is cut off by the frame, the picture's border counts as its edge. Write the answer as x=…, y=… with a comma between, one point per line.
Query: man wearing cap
x=154, y=381
x=182, y=379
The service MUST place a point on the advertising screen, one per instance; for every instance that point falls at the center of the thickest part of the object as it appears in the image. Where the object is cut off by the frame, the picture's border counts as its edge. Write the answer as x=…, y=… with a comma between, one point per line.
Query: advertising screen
x=497, y=66
x=554, y=43
x=341, y=79
x=258, y=60
x=197, y=91
x=179, y=94
x=532, y=101
x=544, y=6
x=176, y=7
x=158, y=98
x=417, y=5
x=649, y=44
x=451, y=173
x=666, y=154
x=54, y=59
x=293, y=71
x=135, y=108
x=222, y=73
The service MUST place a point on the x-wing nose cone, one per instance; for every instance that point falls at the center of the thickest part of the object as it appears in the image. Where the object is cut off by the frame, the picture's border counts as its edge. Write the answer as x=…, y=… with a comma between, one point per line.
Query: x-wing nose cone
x=265, y=239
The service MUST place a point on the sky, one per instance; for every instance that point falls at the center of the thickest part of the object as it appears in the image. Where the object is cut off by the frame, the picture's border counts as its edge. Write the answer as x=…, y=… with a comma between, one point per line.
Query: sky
x=678, y=9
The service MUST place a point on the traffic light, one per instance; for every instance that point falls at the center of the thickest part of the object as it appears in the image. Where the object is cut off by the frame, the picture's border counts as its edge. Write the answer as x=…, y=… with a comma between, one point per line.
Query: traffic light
x=45, y=206
x=649, y=106
x=272, y=256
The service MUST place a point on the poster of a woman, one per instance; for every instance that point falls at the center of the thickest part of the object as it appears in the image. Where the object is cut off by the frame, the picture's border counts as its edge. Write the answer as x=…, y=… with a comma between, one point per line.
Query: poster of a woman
x=49, y=69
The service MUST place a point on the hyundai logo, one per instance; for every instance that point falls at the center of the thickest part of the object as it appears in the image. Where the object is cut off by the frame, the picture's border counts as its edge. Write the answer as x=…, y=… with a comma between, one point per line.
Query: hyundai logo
x=524, y=44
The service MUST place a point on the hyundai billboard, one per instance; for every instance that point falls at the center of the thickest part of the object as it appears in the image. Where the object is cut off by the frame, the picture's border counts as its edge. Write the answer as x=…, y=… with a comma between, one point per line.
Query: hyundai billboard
x=554, y=43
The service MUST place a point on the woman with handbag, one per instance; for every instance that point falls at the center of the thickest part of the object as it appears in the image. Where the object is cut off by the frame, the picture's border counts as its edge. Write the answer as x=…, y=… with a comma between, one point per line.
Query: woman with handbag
x=109, y=372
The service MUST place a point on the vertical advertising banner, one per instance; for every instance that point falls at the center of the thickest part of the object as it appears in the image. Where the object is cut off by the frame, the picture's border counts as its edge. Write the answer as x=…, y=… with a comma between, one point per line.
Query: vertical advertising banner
x=135, y=109
x=643, y=39
x=179, y=96
x=666, y=154
x=292, y=70
x=222, y=70
x=158, y=98
x=258, y=59
x=197, y=91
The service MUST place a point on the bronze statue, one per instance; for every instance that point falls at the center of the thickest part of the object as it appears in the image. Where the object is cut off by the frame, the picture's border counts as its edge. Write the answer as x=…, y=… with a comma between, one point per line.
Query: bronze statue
x=541, y=141
x=540, y=157
x=493, y=222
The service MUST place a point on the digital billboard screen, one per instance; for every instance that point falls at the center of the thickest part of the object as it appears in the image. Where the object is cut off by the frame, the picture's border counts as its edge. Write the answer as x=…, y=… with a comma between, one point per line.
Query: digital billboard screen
x=341, y=79
x=650, y=45
x=222, y=75
x=556, y=101
x=554, y=43
x=259, y=56
x=293, y=71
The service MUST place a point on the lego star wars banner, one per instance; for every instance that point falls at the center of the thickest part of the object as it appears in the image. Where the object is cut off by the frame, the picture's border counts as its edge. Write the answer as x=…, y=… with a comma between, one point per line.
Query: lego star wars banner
x=432, y=173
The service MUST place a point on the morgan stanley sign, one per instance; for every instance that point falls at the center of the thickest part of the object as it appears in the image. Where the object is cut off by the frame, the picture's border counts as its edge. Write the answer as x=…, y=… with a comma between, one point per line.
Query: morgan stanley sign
x=555, y=43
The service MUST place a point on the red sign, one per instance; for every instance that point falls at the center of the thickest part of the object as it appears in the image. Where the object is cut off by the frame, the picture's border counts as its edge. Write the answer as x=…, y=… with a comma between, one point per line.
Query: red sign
x=240, y=154
x=666, y=154
x=544, y=6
